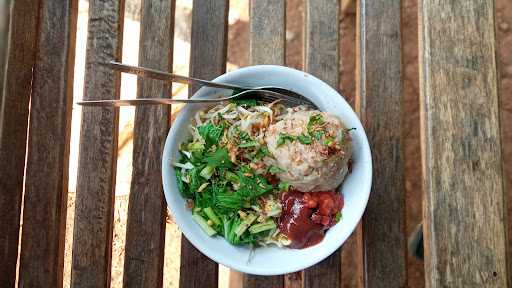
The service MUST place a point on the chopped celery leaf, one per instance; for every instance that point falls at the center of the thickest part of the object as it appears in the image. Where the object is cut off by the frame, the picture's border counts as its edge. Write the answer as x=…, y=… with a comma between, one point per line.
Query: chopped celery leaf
x=274, y=169
x=283, y=186
x=283, y=137
x=219, y=158
x=211, y=133
x=305, y=139
x=246, y=103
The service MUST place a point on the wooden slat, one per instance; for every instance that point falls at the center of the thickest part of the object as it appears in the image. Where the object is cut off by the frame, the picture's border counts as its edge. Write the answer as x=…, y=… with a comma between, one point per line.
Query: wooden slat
x=145, y=231
x=208, y=45
x=293, y=280
x=352, y=256
x=262, y=281
x=266, y=46
x=322, y=60
x=94, y=211
x=46, y=180
x=321, y=40
x=208, y=50
x=324, y=274
x=267, y=41
x=464, y=215
x=13, y=130
x=5, y=16
x=378, y=100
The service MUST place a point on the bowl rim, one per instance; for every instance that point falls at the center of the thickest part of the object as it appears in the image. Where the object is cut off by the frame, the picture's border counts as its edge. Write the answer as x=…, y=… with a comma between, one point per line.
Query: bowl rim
x=322, y=254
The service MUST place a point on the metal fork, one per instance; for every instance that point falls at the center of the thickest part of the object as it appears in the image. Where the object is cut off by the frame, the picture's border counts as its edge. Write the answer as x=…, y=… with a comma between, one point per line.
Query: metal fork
x=264, y=93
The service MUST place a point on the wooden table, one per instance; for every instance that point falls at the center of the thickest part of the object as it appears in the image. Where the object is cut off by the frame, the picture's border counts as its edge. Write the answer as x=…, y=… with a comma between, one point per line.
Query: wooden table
x=464, y=214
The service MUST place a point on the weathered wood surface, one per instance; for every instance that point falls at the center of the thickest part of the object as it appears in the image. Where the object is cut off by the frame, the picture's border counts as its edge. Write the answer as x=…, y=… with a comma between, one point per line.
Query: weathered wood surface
x=262, y=281
x=145, y=231
x=293, y=280
x=208, y=45
x=267, y=32
x=322, y=60
x=321, y=40
x=92, y=235
x=15, y=99
x=324, y=274
x=464, y=215
x=208, y=50
x=5, y=17
x=378, y=100
x=46, y=180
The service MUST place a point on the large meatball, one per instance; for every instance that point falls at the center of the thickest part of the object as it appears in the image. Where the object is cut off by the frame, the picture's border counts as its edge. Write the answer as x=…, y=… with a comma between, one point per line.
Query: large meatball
x=320, y=165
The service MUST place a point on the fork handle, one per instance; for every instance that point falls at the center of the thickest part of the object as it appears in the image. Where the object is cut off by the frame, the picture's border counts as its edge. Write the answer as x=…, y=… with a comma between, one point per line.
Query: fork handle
x=161, y=75
x=144, y=101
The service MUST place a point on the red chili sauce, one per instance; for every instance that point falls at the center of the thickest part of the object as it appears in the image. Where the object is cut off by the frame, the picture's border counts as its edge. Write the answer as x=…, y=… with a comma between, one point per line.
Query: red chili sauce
x=306, y=216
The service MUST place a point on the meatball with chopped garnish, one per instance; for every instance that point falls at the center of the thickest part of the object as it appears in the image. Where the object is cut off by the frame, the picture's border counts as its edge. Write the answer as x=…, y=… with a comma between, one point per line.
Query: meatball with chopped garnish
x=312, y=148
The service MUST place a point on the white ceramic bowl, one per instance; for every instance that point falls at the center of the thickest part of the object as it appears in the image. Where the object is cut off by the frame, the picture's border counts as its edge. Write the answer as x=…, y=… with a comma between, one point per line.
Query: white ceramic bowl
x=355, y=188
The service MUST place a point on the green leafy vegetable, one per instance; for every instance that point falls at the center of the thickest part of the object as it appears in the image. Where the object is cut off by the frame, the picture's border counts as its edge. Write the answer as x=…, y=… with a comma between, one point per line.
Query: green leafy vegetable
x=252, y=187
x=230, y=225
x=204, y=224
x=315, y=120
x=245, y=224
x=195, y=178
x=283, y=137
x=246, y=103
x=328, y=141
x=260, y=227
x=338, y=216
x=246, y=140
x=207, y=172
x=231, y=177
x=181, y=185
x=211, y=133
x=195, y=147
x=248, y=144
x=195, y=151
x=228, y=202
x=283, y=186
x=274, y=170
x=205, y=198
x=219, y=158
x=317, y=134
x=262, y=152
x=314, y=123
x=252, y=239
x=305, y=139
x=209, y=212
x=272, y=208
x=244, y=136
